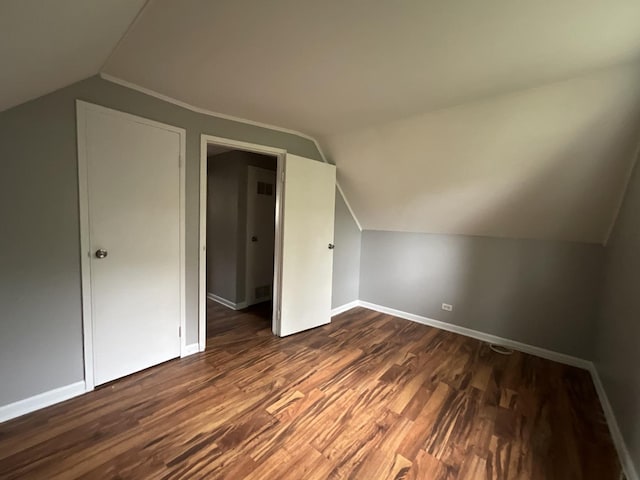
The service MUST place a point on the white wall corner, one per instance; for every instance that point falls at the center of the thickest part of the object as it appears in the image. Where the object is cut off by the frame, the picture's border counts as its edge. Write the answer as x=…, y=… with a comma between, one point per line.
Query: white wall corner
x=344, y=308
x=42, y=400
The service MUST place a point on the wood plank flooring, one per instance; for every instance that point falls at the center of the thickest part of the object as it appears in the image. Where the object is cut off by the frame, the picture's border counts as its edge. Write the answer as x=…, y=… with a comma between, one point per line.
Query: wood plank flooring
x=367, y=397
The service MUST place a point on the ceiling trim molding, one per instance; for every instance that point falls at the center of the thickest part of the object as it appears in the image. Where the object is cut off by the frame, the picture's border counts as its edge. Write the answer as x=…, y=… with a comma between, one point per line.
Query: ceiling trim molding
x=623, y=194
x=204, y=111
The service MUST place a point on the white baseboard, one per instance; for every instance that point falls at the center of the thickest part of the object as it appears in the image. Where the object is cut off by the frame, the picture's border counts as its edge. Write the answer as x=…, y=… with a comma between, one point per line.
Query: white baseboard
x=226, y=303
x=42, y=400
x=345, y=307
x=485, y=337
x=190, y=350
x=616, y=435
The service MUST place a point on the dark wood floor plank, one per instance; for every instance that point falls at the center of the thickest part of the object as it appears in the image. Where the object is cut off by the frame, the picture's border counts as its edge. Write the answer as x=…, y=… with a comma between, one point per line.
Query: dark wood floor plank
x=368, y=396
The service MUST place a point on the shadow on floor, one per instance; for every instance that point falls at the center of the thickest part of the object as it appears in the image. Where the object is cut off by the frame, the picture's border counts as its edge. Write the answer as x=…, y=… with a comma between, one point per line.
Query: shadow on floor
x=221, y=319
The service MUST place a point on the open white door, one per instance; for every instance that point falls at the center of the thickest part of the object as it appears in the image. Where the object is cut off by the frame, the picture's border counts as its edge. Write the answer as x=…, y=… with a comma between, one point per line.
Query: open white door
x=307, y=244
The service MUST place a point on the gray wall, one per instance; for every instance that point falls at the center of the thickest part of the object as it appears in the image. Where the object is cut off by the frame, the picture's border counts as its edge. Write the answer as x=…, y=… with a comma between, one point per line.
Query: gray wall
x=244, y=160
x=40, y=309
x=346, y=256
x=618, y=332
x=227, y=221
x=536, y=292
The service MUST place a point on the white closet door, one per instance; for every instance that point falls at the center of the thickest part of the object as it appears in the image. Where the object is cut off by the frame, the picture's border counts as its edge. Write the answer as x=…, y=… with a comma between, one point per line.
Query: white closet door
x=133, y=188
x=307, y=257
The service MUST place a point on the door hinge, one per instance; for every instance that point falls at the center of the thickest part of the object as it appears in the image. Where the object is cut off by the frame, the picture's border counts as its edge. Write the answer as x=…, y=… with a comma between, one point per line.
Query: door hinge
x=282, y=177
x=179, y=161
x=180, y=331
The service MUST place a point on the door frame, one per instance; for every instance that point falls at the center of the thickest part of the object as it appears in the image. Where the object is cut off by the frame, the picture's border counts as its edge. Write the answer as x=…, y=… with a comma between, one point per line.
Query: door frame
x=280, y=155
x=82, y=108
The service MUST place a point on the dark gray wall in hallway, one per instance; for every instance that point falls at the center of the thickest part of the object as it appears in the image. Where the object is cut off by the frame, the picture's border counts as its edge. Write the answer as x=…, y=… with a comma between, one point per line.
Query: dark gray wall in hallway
x=227, y=221
x=536, y=292
x=40, y=309
x=618, y=331
x=222, y=228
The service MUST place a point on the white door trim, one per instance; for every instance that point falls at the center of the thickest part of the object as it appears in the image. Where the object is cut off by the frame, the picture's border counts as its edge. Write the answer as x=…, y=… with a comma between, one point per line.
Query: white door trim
x=202, y=243
x=85, y=254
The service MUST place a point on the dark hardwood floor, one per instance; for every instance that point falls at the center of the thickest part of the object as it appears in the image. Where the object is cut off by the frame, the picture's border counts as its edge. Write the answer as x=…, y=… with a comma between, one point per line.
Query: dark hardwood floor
x=367, y=397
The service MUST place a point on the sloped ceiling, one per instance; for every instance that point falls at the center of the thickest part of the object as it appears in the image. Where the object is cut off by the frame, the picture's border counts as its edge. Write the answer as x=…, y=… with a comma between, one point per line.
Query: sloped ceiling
x=499, y=118
x=325, y=67
x=546, y=163
x=49, y=44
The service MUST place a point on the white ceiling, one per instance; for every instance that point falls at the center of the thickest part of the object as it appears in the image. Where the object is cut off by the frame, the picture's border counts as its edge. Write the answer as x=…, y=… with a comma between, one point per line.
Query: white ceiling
x=46, y=44
x=494, y=117
x=326, y=67
x=546, y=163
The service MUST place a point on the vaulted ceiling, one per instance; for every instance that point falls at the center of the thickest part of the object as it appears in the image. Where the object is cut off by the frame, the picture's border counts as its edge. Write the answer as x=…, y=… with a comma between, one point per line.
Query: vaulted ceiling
x=546, y=163
x=332, y=66
x=500, y=118
x=49, y=44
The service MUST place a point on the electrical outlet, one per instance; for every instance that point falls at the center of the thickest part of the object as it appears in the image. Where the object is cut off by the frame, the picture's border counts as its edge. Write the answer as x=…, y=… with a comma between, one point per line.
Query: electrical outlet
x=447, y=308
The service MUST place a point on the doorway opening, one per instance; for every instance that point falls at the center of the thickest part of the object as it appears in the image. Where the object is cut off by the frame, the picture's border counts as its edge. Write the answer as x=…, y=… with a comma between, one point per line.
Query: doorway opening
x=303, y=240
x=240, y=244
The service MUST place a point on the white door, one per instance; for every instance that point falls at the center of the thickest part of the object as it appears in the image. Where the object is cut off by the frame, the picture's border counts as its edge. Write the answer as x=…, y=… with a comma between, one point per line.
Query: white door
x=132, y=169
x=261, y=204
x=307, y=242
